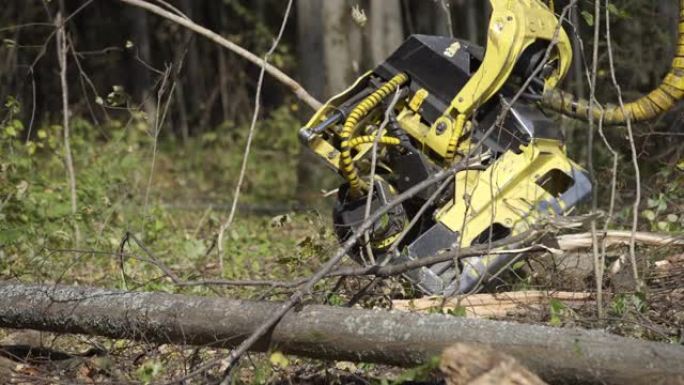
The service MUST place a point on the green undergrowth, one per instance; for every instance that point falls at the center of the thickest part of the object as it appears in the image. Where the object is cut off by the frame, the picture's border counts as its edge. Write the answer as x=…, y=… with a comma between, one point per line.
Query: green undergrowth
x=174, y=209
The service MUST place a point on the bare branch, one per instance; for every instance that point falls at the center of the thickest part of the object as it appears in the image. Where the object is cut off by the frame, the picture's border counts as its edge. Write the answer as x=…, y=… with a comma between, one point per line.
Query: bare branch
x=68, y=159
x=635, y=157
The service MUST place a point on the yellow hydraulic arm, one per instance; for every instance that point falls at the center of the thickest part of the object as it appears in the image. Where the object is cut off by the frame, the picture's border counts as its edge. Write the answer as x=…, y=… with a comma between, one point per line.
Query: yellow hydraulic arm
x=514, y=26
x=648, y=107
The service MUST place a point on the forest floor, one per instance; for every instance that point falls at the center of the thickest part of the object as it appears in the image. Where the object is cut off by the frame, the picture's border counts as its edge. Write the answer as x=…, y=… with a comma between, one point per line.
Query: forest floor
x=174, y=207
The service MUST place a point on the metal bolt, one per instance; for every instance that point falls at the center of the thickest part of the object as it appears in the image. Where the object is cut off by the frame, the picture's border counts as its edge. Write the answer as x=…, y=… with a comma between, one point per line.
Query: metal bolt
x=441, y=127
x=332, y=154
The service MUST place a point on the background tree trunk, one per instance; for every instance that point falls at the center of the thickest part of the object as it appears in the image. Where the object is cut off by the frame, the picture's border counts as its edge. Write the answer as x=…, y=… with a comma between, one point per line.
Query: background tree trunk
x=311, y=72
x=342, y=49
x=141, y=78
x=334, y=51
x=384, y=31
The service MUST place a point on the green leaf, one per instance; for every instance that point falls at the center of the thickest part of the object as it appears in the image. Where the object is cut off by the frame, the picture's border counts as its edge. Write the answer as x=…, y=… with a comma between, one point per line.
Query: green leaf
x=618, y=305
x=458, y=311
x=557, y=307
x=21, y=189
x=279, y=359
x=149, y=370
x=588, y=18
x=13, y=105
x=10, y=235
x=10, y=131
x=193, y=248
x=335, y=300
x=518, y=265
x=613, y=9
x=649, y=214
x=18, y=124
x=639, y=302
x=620, y=13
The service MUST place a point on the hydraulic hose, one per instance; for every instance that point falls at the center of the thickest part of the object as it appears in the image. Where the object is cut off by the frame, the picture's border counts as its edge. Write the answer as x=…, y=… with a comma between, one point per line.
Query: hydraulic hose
x=648, y=107
x=366, y=139
x=356, y=185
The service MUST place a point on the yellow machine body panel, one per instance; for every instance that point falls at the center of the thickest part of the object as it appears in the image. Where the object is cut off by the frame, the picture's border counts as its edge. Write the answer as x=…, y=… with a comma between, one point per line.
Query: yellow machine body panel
x=435, y=140
x=507, y=193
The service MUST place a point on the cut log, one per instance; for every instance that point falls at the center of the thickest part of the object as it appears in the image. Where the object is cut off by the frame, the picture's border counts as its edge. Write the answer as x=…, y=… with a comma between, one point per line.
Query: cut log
x=495, y=305
x=325, y=332
x=474, y=365
x=569, y=242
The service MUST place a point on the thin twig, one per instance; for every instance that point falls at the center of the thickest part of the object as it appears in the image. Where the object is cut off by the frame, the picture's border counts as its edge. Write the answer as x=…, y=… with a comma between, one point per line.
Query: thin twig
x=374, y=161
x=68, y=158
x=160, y=117
x=598, y=268
x=635, y=158
x=250, y=137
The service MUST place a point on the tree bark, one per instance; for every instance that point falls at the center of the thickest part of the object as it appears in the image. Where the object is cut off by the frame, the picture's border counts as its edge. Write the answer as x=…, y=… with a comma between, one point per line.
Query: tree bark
x=342, y=49
x=384, y=32
x=311, y=71
x=337, y=333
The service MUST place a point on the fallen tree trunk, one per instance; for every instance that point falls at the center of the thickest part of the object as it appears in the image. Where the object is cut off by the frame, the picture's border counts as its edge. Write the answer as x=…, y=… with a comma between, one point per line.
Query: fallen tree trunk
x=336, y=333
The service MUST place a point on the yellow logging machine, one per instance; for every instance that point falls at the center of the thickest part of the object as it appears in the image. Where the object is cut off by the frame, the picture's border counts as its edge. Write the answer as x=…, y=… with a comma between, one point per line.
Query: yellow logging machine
x=438, y=97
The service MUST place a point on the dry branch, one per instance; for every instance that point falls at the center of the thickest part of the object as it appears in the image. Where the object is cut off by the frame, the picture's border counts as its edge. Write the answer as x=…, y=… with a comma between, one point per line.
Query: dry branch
x=570, y=242
x=295, y=87
x=336, y=333
x=62, y=49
